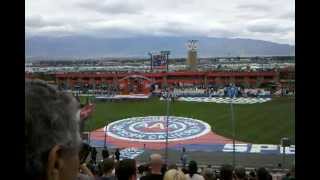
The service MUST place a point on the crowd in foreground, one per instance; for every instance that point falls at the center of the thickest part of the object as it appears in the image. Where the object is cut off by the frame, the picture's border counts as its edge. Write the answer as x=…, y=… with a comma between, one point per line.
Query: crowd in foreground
x=156, y=169
x=53, y=144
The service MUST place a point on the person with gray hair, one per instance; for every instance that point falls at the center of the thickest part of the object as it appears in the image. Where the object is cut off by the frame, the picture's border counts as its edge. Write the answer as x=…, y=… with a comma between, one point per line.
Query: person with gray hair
x=51, y=132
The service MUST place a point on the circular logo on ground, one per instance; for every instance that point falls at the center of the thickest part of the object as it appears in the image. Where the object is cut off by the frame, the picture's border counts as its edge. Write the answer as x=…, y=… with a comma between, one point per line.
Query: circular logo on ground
x=154, y=128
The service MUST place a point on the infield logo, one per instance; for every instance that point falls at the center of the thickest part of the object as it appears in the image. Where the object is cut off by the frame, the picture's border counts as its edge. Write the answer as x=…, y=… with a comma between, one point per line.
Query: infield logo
x=154, y=128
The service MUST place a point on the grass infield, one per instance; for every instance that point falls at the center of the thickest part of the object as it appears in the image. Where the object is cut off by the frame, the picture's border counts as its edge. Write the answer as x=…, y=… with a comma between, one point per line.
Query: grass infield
x=264, y=123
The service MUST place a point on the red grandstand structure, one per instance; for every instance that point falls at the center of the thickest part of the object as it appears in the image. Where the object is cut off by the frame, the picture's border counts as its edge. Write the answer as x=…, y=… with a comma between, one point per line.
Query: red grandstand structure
x=140, y=83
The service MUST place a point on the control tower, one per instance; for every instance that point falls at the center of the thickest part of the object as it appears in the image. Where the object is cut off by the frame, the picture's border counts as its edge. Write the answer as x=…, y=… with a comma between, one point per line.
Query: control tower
x=192, y=60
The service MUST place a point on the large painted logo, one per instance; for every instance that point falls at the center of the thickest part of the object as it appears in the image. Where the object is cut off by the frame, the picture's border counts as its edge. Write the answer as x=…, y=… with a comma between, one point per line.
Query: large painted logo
x=154, y=128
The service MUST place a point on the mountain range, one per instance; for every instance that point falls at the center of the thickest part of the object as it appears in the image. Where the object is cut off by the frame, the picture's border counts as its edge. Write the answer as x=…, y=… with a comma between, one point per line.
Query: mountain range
x=138, y=47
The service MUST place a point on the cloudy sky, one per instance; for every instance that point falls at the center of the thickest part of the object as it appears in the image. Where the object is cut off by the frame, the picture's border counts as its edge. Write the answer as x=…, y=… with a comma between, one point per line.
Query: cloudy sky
x=271, y=20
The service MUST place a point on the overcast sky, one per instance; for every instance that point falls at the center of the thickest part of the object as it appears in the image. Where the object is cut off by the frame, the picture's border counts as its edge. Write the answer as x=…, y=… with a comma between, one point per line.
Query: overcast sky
x=271, y=20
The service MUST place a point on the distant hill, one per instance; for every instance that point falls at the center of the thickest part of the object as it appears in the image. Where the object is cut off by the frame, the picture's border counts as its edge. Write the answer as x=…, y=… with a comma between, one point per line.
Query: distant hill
x=90, y=47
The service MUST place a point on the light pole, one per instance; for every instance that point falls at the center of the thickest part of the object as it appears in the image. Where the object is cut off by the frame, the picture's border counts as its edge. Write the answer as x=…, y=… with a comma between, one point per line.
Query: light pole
x=151, y=63
x=167, y=128
x=232, y=93
x=233, y=134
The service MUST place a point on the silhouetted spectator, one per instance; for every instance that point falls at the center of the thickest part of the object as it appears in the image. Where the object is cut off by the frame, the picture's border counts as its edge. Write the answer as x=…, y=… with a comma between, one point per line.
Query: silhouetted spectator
x=183, y=157
x=94, y=154
x=52, y=137
x=93, y=167
x=252, y=175
x=226, y=172
x=262, y=174
x=141, y=171
x=240, y=173
x=126, y=170
x=105, y=153
x=117, y=154
x=192, y=171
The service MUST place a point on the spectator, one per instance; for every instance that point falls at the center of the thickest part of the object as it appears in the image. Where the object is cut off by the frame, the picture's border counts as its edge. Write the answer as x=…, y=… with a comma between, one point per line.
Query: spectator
x=226, y=172
x=208, y=174
x=262, y=174
x=252, y=175
x=155, y=166
x=85, y=173
x=126, y=170
x=94, y=154
x=107, y=168
x=51, y=132
x=141, y=171
x=117, y=154
x=193, y=169
x=183, y=157
x=174, y=174
x=240, y=173
x=105, y=153
x=93, y=167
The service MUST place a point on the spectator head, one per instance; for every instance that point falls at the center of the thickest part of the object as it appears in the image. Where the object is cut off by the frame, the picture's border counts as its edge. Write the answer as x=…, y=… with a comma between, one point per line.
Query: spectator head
x=262, y=174
x=192, y=168
x=141, y=169
x=174, y=174
x=51, y=132
x=252, y=175
x=156, y=163
x=208, y=174
x=126, y=170
x=240, y=173
x=107, y=166
x=105, y=153
x=226, y=172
